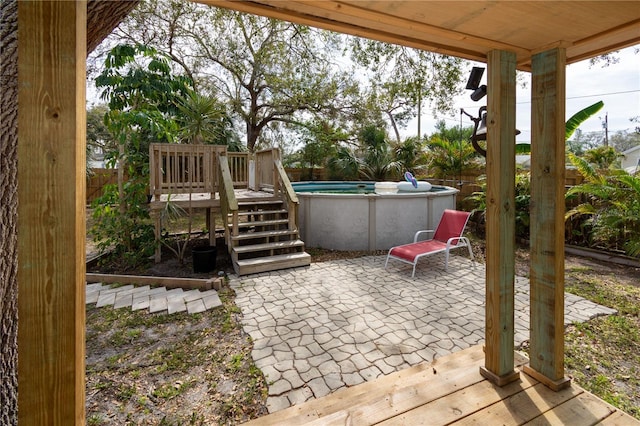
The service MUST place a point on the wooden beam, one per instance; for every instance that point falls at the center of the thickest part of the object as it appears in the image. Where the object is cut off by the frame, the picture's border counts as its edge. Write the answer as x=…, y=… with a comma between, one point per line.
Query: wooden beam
x=169, y=282
x=51, y=199
x=441, y=45
x=547, y=218
x=500, y=214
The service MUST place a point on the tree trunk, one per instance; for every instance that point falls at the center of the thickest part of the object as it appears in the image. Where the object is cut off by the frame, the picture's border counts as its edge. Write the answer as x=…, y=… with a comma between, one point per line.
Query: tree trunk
x=8, y=212
x=103, y=17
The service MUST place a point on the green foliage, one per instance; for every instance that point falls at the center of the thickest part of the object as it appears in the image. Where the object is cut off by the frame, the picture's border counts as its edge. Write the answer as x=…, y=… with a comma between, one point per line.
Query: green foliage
x=345, y=165
x=147, y=103
x=129, y=236
x=602, y=157
x=580, y=117
x=171, y=390
x=449, y=152
x=269, y=72
x=142, y=95
x=411, y=156
x=623, y=140
x=401, y=79
x=99, y=138
x=171, y=213
x=321, y=141
x=522, y=201
x=377, y=160
x=611, y=206
x=204, y=120
x=603, y=354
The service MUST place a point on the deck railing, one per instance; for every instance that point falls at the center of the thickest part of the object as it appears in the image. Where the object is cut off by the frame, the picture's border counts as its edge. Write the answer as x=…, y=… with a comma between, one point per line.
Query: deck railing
x=288, y=194
x=239, y=168
x=181, y=168
x=266, y=178
x=228, y=202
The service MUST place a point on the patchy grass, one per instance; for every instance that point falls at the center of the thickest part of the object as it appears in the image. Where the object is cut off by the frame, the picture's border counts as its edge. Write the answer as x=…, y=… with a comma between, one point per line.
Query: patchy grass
x=175, y=369
x=603, y=355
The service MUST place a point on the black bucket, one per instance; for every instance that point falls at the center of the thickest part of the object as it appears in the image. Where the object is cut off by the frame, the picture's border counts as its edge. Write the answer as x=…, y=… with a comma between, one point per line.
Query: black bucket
x=204, y=259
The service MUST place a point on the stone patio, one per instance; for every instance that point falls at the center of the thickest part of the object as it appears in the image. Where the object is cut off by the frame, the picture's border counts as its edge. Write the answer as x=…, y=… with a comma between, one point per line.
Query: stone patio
x=340, y=323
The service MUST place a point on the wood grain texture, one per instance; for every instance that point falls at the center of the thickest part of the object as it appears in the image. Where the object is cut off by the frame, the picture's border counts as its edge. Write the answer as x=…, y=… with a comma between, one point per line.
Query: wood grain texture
x=547, y=213
x=51, y=228
x=500, y=213
x=471, y=29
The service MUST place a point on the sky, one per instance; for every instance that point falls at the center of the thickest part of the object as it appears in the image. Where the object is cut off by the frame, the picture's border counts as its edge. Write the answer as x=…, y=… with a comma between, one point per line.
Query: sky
x=617, y=85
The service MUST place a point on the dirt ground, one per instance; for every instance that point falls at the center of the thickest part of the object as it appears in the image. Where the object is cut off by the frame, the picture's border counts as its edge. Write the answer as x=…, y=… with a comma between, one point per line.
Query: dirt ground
x=180, y=369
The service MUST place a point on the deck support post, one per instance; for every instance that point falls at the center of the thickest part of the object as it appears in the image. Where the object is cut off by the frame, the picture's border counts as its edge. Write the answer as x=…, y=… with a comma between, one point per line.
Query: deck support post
x=51, y=210
x=547, y=218
x=500, y=217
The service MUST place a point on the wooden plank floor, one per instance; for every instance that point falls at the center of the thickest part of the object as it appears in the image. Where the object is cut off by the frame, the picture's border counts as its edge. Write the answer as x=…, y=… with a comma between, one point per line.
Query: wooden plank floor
x=452, y=391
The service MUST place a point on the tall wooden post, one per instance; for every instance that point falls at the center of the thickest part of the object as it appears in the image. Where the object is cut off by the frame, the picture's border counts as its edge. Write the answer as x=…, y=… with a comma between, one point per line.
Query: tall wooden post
x=500, y=214
x=51, y=212
x=547, y=218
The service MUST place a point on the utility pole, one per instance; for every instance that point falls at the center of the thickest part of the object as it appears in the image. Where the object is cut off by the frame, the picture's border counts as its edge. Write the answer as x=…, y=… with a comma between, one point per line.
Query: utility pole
x=605, y=126
x=419, y=112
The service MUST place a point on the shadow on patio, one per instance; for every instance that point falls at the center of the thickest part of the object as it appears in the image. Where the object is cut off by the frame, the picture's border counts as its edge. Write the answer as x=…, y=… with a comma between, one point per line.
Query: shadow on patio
x=342, y=323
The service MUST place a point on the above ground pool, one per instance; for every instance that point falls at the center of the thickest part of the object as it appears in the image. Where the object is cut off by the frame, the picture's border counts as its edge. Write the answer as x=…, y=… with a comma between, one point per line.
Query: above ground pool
x=352, y=216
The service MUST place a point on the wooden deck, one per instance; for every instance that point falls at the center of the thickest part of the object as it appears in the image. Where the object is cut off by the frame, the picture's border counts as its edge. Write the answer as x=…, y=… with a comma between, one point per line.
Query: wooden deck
x=451, y=391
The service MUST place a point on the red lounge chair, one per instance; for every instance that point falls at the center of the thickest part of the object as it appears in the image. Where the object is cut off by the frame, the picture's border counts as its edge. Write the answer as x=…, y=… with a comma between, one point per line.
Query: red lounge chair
x=447, y=236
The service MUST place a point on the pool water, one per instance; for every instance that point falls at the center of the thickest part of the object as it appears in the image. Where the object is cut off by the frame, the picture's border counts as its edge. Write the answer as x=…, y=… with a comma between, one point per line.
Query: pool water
x=335, y=187
x=346, y=187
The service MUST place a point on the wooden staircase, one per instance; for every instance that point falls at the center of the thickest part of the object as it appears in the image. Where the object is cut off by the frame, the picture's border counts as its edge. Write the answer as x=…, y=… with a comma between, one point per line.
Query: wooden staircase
x=264, y=240
x=261, y=232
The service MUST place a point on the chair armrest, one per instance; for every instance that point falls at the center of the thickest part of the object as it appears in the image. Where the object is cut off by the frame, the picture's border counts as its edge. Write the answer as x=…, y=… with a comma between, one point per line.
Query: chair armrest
x=465, y=242
x=415, y=237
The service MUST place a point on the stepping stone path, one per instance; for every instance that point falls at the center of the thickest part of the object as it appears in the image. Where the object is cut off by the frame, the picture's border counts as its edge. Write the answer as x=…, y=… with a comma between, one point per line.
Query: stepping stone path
x=156, y=299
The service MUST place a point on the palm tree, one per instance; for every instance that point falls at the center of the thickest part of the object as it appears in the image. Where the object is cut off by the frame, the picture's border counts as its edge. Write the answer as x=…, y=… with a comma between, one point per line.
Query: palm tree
x=410, y=155
x=202, y=119
x=612, y=204
x=449, y=159
x=344, y=164
x=378, y=162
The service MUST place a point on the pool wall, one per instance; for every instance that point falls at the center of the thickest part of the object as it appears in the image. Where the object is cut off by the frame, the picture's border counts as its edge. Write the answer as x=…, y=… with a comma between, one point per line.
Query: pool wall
x=369, y=221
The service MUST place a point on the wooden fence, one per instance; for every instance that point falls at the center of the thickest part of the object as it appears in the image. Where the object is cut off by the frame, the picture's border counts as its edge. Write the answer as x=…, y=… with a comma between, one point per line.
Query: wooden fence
x=465, y=183
x=96, y=181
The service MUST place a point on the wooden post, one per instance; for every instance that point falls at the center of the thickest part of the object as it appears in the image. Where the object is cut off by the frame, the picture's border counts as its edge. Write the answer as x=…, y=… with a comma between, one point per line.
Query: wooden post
x=51, y=199
x=500, y=275
x=547, y=218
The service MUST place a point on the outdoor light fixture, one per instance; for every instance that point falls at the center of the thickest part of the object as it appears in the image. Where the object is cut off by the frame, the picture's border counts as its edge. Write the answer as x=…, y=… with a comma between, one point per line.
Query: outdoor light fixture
x=473, y=83
x=479, y=122
x=479, y=129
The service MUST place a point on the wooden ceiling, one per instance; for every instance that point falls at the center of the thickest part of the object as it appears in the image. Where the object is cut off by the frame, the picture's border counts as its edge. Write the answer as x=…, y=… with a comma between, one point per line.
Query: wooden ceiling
x=469, y=29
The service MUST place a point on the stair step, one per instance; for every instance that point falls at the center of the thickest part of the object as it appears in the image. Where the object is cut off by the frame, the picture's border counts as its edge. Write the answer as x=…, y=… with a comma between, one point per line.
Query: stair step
x=268, y=246
x=271, y=263
x=261, y=212
x=267, y=202
x=262, y=223
x=264, y=234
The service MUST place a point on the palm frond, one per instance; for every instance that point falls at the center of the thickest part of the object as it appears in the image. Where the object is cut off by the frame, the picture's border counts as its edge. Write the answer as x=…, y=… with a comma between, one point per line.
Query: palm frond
x=586, y=169
x=581, y=116
x=582, y=209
